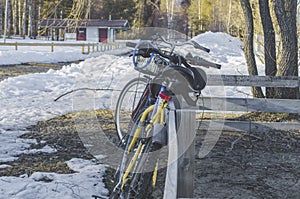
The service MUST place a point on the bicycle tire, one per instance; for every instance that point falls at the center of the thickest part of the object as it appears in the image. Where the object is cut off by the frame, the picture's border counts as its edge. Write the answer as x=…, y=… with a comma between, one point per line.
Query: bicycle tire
x=127, y=102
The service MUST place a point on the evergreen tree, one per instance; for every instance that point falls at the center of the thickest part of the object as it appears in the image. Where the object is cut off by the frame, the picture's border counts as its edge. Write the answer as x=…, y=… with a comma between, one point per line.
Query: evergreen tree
x=120, y=9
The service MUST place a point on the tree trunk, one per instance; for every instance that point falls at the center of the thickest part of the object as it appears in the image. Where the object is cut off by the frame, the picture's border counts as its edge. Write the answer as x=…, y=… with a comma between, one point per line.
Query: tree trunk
x=229, y=16
x=1, y=18
x=8, y=18
x=286, y=12
x=269, y=43
x=30, y=18
x=249, y=46
x=20, y=17
x=88, y=10
x=34, y=19
x=15, y=16
x=24, y=23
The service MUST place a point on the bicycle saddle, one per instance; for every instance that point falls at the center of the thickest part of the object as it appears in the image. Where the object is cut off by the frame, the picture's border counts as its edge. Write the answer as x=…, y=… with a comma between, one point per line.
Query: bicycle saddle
x=196, y=77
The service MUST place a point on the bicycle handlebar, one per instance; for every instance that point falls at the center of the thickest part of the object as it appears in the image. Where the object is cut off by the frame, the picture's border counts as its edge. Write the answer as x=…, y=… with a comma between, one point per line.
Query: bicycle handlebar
x=199, y=61
x=190, y=42
x=178, y=59
x=198, y=46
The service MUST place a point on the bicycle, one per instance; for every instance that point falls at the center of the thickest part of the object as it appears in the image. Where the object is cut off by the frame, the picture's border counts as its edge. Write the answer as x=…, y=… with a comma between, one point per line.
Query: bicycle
x=153, y=122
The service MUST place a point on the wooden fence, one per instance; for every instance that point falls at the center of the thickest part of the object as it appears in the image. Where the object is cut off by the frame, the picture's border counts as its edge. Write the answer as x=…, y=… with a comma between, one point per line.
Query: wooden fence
x=86, y=48
x=245, y=105
x=232, y=105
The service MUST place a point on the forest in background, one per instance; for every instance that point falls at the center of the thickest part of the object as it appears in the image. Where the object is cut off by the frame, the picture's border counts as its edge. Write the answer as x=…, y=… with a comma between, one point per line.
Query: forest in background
x=187, y=16
x=190, y=17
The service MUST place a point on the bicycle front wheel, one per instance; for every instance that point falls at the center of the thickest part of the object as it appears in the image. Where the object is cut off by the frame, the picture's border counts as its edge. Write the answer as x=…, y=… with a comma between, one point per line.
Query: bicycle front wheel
x=127, y=102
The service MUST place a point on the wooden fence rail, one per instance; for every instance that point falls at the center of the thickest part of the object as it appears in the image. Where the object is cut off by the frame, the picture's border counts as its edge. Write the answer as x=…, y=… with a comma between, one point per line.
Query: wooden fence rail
x=86, y=47
x=233, y=105
x=261, y=81
x=246, y=126
x=218, y=104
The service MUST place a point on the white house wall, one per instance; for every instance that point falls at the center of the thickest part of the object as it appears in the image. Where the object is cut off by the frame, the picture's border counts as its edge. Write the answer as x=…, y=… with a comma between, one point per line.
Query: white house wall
x=92, y=34
x=110, y=35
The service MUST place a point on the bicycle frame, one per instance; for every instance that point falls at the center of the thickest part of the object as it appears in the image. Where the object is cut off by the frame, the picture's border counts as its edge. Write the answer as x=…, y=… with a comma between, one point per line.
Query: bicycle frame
x=158, y=117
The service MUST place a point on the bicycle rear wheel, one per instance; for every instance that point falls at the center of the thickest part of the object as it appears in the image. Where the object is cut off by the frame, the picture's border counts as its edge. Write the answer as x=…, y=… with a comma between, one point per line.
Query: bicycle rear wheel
x=127, y=103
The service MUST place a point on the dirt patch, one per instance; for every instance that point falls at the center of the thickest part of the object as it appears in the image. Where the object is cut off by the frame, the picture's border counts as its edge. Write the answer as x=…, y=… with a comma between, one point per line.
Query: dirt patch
x=261, y=165
x=249, y=165
x=58, y=133
x=269, y=117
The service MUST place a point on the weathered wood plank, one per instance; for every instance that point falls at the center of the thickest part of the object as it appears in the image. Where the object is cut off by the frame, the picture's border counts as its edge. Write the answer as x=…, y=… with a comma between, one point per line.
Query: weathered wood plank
x=262, y=81
x=247, y=126
x=170, y=190
x=247, y=105
x=186, y=153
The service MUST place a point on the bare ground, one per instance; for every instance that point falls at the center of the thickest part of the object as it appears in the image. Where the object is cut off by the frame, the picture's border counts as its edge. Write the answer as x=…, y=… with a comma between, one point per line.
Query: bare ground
x=261, y=165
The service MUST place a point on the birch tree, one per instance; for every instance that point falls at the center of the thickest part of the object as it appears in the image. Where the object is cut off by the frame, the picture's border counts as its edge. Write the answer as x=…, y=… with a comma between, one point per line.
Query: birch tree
x=24, y=22
x=15, y=16
x=78, y=8
x=20, y=15
x=229, y=16
x=88, y=10
x=30, y=18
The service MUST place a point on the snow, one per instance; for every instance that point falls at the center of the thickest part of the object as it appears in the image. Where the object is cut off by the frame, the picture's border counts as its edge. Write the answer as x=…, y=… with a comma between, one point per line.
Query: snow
x=27, y=99
x=26, y=54
x=52, y=185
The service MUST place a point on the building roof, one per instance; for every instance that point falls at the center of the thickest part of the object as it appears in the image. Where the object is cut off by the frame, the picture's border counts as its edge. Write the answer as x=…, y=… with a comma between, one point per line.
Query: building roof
x=118, y=24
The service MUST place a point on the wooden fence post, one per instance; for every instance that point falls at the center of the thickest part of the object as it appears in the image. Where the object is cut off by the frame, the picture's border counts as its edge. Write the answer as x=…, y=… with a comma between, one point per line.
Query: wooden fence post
x=52, y=47
x=82, y=48
x=186, y=154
